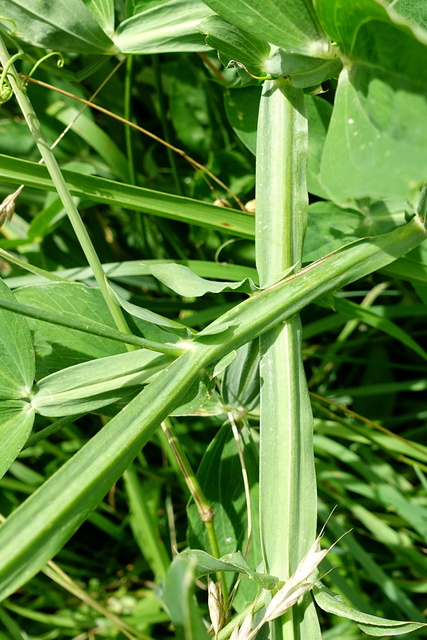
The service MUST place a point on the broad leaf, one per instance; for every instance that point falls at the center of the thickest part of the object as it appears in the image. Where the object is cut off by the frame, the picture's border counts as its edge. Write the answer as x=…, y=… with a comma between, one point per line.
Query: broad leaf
x=60, y=347
x=242, y=106
x=220, y=463
x=103, y=12
x=234, y=44
x=241, y=382
x=290, y=24
x=415, y=10
x=17, y=365
x=377, y=141
x=63, y=25
x=162, y=28
x=235, y=562
x=16, y=422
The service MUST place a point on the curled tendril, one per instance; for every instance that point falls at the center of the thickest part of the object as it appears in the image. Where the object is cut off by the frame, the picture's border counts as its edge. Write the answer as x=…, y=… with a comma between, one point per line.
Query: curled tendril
x=6, y=91
x=240, y=65
x=15, y=28
x=60, y=63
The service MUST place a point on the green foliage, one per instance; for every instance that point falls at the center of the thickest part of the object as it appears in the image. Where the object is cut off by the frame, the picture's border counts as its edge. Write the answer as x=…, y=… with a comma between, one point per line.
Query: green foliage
x=184, y=423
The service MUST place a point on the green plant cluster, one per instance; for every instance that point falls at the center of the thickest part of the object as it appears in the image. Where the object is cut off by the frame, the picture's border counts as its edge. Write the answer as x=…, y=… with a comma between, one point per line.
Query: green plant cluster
x=212, y=319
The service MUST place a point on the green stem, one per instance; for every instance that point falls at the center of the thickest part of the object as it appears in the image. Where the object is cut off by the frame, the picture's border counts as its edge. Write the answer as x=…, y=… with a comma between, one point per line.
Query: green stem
x=203, y=505
x=89, y=327
x=287, y=478
x=61, y=187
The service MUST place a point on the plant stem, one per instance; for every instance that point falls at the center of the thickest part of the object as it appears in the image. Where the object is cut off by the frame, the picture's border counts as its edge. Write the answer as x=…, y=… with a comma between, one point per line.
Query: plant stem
x=287, y=478
x=61, y=187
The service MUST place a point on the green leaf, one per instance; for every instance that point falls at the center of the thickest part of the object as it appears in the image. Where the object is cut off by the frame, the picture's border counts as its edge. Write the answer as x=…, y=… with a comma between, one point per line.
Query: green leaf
x=220, y=463
x=95, y=384
x=415, y=10
x=16, y=422
x=130, y=197
x=163, y=28
x=224, y=363
x=377, y=141
x=235, y=44
x=179, y=598
x=186, y=283
x=64, y=25
x=241, y=382
x=235, y=562
x=190, y=108
x=319, y=114
x=290, y=24
x=17, y=364
x=242, y=106
x=103, y=12
x=61, y=347
x=372, y=625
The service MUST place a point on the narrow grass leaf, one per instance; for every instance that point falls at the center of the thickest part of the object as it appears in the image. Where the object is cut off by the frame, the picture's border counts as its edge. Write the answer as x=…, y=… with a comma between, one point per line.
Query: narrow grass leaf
x=144, y=524
x=94, y=136
x=372, y=319
x=332, y=603
x=179, y=598
x=131, y=197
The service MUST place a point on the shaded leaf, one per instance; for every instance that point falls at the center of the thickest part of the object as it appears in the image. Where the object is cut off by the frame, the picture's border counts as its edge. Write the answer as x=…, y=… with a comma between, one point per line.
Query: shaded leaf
x=290, y=24
x=235, y=44
x=16, y=422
